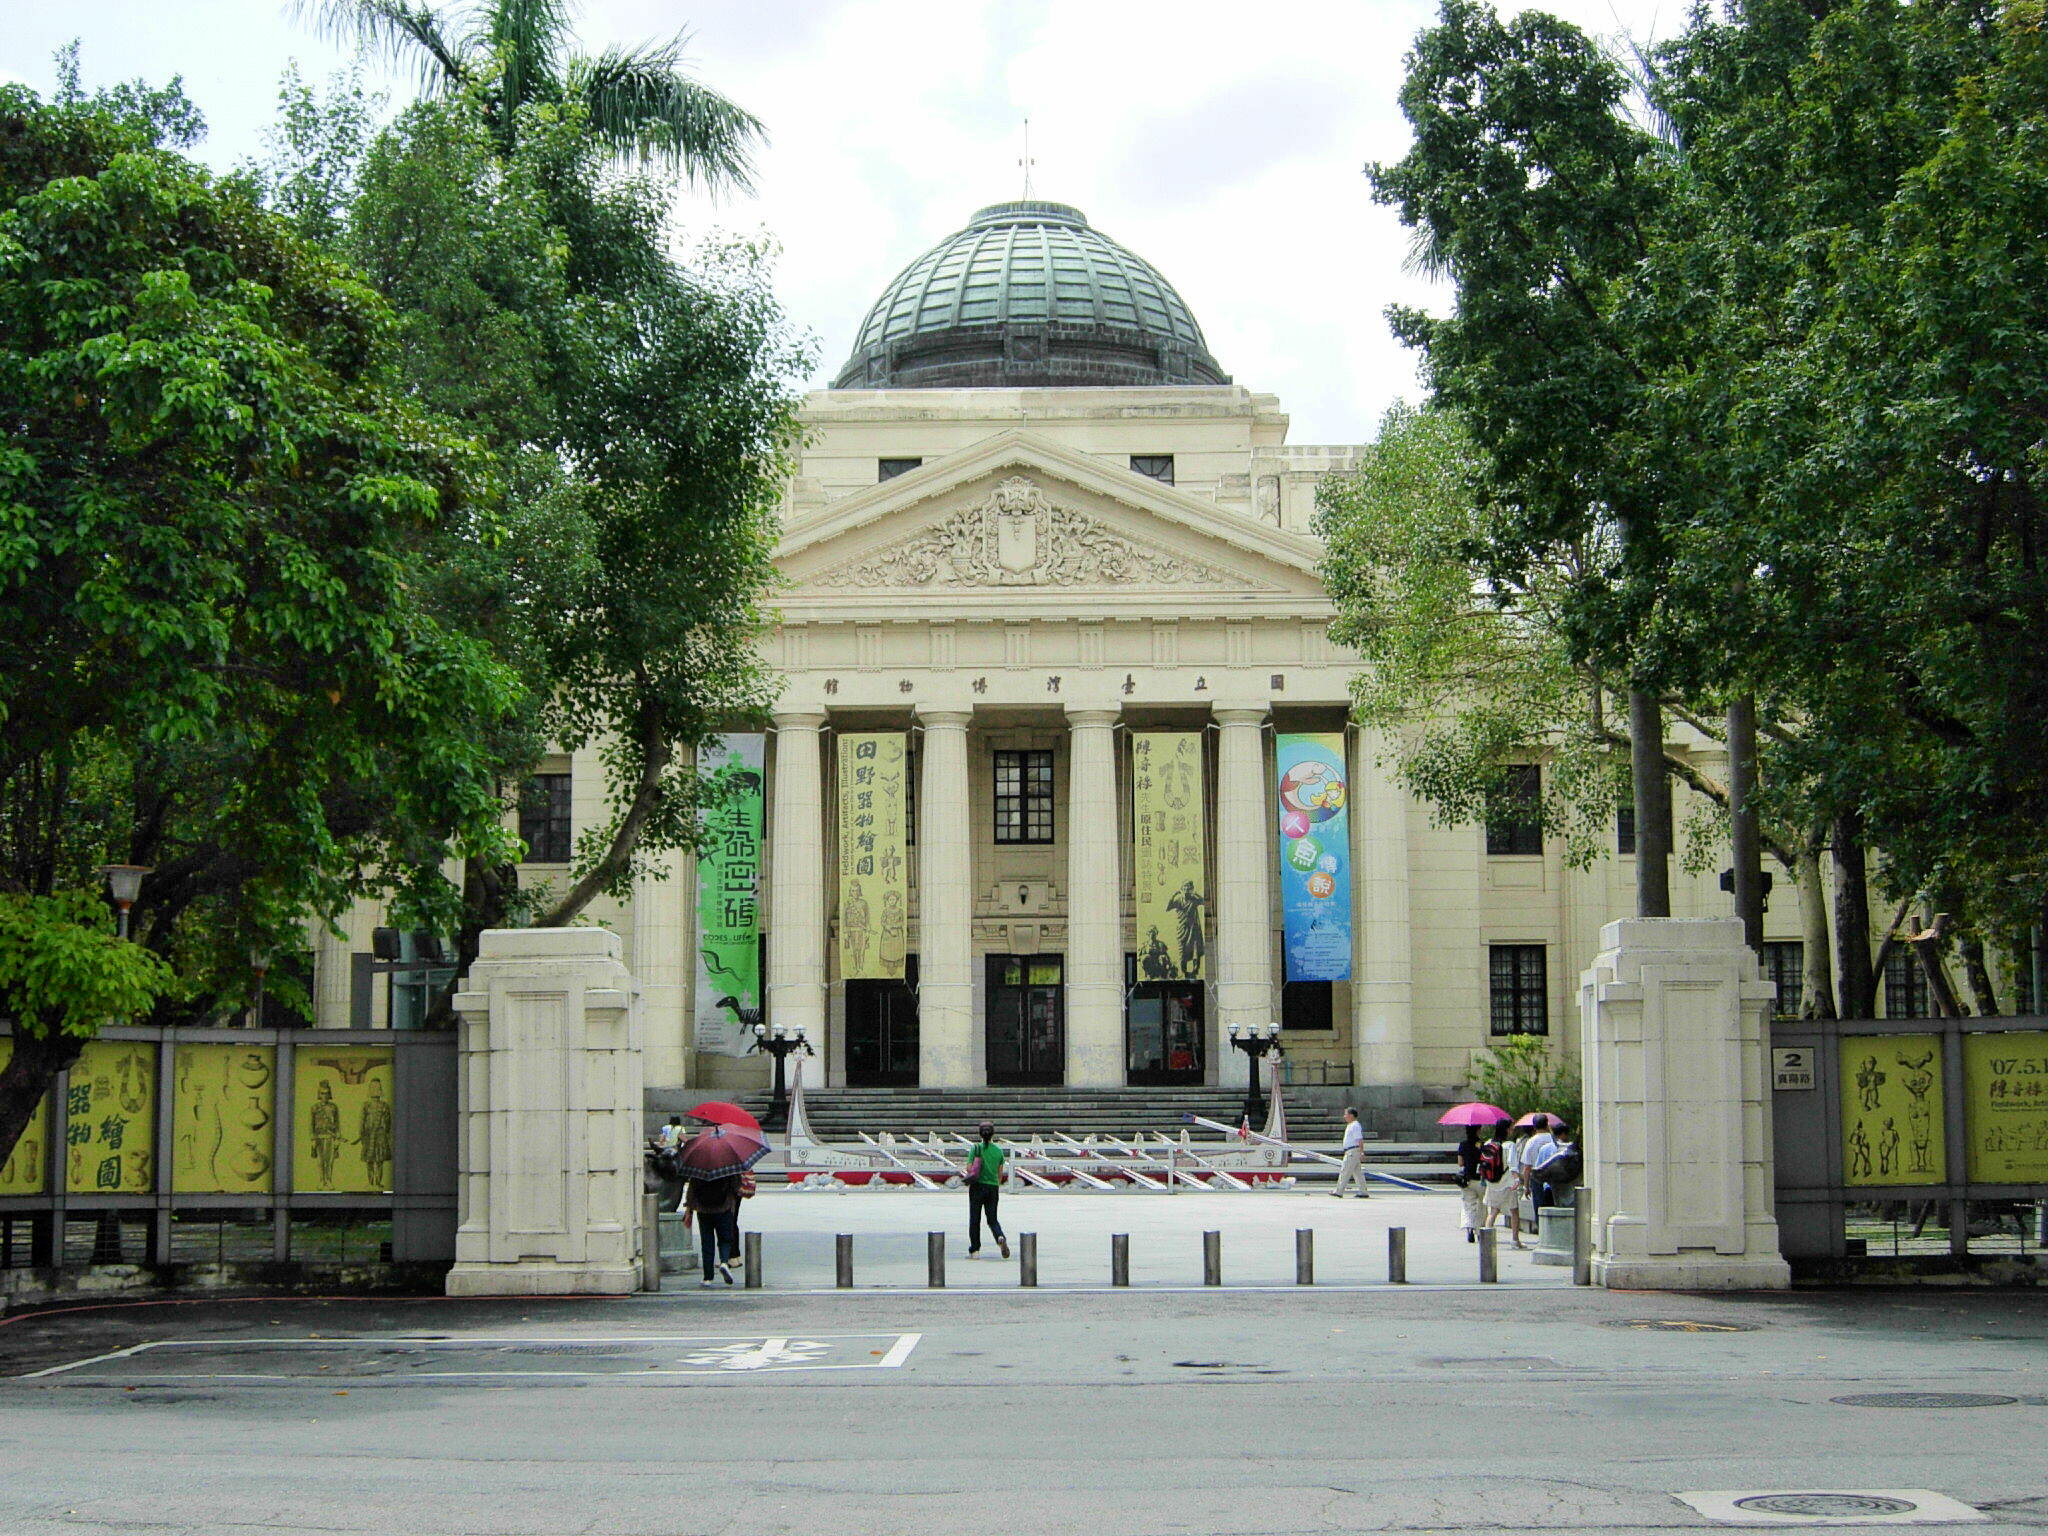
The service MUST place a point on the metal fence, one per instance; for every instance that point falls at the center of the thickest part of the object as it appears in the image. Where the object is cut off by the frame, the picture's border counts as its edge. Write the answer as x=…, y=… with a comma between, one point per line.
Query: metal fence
x=167, y=1146
x=1898, y=1138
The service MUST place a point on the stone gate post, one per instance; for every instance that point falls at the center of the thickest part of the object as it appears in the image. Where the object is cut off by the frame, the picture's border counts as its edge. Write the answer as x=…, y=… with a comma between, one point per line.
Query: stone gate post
x=1678, y=1139
x=549, y=1113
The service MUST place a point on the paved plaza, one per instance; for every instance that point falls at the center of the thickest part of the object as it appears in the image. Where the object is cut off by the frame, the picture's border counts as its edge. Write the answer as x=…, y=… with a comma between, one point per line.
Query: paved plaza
x=889, y=1227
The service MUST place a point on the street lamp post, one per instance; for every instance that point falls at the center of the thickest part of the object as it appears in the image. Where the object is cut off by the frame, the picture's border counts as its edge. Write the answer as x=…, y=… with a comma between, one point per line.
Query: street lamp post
x=1255, y=1043
x=259, y=964
x=779, y=1043
x=124, y=884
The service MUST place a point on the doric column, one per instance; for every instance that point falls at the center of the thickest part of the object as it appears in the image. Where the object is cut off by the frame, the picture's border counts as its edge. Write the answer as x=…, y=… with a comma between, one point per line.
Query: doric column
x=333, y=977
x=945, y=905
x=796, y=878
x=1095, y=991
x=1382, y=988
x=660, y=891
x=1244, y=852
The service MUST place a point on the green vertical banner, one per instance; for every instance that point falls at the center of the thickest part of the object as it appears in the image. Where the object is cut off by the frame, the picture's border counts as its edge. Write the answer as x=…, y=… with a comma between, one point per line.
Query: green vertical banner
x=1315, y=856
x=728, y=993
x=1168, y=872
x=874, y=887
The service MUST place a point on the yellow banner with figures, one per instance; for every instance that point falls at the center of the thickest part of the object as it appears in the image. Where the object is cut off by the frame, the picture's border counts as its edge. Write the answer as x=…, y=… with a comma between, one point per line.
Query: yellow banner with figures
x=874, y=883
x=26, y=1170
x=110, y=1119
x=223, y=1119
x=1892, y=1121
x=1168, y=872
x=342, y=1135
x=2005, y=1081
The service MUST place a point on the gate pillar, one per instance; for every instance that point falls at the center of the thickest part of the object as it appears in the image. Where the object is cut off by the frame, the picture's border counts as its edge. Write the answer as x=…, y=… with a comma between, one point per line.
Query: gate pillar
x=549, y=1111
x=1678, y=1140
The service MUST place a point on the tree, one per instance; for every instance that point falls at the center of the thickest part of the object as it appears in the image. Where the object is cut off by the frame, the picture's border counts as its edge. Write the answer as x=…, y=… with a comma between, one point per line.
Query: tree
x=213, y=658
x=518, y=54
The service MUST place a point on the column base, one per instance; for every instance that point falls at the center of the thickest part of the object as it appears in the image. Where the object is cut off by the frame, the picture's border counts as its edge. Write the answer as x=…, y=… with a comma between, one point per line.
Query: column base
x=1692, y=1272
x=543, y=1279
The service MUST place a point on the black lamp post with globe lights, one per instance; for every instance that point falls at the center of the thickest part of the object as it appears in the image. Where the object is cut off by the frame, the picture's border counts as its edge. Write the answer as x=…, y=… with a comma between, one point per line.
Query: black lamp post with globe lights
x=1256, y=1043
x=779, y=1043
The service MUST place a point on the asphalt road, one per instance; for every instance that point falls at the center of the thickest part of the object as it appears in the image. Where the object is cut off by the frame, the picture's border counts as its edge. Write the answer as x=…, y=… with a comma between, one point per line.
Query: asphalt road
x=895, y=1414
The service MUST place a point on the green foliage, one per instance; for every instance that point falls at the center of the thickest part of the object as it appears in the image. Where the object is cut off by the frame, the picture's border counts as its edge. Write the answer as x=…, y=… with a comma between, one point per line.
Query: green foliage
x=63, y=970
x=1522, y=1074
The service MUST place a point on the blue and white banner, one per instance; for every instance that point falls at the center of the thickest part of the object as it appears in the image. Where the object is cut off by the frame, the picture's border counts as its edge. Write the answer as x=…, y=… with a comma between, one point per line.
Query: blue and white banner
x=1315, y=856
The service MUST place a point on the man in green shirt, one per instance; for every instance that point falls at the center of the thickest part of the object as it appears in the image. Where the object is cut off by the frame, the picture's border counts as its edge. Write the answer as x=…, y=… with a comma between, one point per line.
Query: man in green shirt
x=984, y=1185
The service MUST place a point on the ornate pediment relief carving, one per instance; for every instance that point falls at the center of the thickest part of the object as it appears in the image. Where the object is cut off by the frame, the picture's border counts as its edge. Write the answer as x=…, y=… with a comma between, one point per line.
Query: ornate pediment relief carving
x=1017, y=536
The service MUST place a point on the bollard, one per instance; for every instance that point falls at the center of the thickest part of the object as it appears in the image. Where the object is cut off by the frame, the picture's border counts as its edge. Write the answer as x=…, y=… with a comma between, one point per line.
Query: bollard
x=844, y=1243
x=650, y=1252
x=751, y=1244
x=1119, y=1258
x=1212, y=1258
x=1304, y=1256
x=1582, y=1237
x=1397, y=1255
x=1489, y=1256
x=935, y=1260
x=1027, y=1258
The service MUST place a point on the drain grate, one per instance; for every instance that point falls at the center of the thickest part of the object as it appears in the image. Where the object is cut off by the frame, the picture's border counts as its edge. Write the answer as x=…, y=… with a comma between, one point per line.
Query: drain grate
x=1826, y=1506
x=1925, y=1400
x=1677, y=1325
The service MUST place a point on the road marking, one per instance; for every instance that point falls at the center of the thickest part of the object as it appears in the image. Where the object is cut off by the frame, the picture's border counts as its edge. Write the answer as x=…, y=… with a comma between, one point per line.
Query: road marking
x=695, y=1355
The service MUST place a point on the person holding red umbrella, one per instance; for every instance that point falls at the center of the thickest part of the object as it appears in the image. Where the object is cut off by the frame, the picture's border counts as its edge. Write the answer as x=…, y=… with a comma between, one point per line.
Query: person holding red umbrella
x=716, y=1161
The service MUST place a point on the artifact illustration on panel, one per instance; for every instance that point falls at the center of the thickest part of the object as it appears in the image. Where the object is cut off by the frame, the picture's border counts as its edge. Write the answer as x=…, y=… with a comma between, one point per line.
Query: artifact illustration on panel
x=874, y=883
x=342, y=1129
x=2005, y=1081
x=110, y=1109
x=223, y=1119
x=26, y=1170
x=1167, y=869
x=1891, y=1110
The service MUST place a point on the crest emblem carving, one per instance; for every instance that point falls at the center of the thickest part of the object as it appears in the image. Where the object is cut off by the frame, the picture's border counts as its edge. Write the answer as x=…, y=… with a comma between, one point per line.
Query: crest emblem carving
x=1017, y=536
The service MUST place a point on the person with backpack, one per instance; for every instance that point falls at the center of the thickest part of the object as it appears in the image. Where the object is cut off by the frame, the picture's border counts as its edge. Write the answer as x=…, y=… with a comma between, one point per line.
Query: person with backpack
x=1558, y=1169
x=1471, y=1188
x=1498, y=1171
x=984, y=1187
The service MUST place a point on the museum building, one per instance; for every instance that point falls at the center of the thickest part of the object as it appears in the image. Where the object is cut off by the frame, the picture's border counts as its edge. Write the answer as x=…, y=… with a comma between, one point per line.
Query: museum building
x=1052, y=608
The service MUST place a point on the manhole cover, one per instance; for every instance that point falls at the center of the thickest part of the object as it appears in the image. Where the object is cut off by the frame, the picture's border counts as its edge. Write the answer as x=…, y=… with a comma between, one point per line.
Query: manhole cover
x=1926, y=1400
x=1677, y=1325
x=1826, y=1505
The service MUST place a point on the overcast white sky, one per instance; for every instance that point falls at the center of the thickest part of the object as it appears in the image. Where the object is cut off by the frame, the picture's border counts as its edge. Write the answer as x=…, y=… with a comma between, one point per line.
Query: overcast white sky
x=1223, y=142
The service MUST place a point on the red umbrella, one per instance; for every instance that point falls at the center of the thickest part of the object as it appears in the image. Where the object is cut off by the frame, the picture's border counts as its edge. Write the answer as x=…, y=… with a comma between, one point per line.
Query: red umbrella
x=718, y=1112
x=1474, y=1113
x=1541, y=1117
x=719, y=1153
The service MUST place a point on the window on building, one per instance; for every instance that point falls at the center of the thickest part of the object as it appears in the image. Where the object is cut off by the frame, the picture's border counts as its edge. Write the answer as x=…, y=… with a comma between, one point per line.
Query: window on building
x=1785, y=969
x=1023, y=797
x=544, y=824
x=1625, y=823
x=421, y=975
x=1514, y=814
x=1519, y=983
x=889, y=469
x=1153, y=466
x=1306, y=1005
x=1905, y=986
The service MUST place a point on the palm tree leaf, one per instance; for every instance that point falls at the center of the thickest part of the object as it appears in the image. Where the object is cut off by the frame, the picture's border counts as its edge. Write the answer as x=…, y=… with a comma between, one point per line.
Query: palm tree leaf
x=642, y=100
x=528, y=36
x=396, y=31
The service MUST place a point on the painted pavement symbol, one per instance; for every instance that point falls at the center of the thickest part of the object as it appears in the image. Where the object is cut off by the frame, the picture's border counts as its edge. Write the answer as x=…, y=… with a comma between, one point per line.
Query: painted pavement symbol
x=1830, y=1506
x=410, y=1358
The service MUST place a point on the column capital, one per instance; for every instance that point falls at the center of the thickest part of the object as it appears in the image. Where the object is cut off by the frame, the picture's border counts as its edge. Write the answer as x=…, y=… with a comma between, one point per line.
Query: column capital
x=1082, y=716
x=941, y=719
x=799, y=719
x=1238, y=715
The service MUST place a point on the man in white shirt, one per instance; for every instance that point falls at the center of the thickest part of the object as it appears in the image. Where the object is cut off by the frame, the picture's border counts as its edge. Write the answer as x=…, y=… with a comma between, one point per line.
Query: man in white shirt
x=1354, y=1156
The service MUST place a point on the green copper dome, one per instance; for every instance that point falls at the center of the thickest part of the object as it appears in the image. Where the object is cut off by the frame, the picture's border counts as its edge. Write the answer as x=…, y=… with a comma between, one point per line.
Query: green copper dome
x=1028, y=296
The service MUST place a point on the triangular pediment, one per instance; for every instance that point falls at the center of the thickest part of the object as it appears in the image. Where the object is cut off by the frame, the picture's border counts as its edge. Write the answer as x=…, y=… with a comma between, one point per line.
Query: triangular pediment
x=1019, y=516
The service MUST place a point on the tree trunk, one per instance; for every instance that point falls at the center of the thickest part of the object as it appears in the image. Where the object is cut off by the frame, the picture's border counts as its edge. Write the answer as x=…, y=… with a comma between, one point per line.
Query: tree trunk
x=1743, y=831
x=658, y=751
x=1855, y=979
x=27, y=1077
x=1653, y=804
x=1817, y=971
x=1978, y=972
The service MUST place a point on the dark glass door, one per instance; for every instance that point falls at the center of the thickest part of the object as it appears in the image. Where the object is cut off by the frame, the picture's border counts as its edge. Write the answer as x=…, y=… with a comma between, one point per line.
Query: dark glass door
x=1027, y=1021
x=881, y=1031
x=1162, y=1030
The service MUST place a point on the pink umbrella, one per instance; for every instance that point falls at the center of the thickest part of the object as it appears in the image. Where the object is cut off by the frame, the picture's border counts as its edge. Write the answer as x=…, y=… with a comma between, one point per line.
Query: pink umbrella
x=1474, y=1113
x=1541, y=1117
